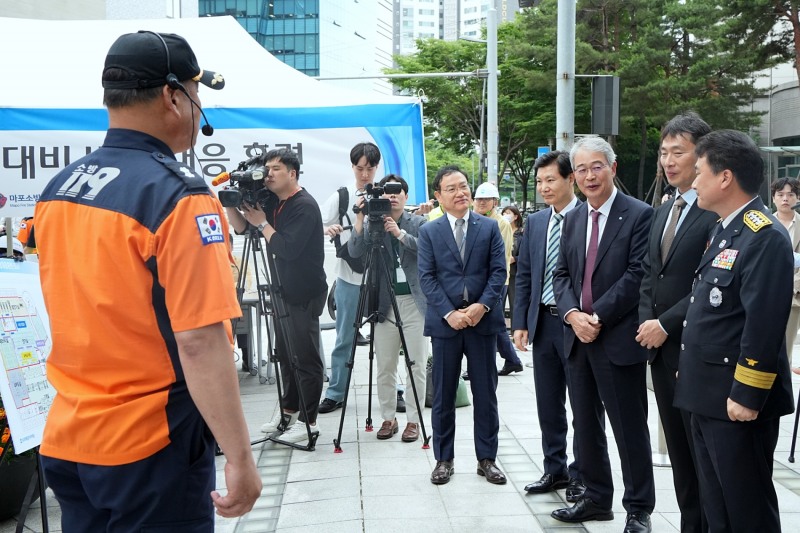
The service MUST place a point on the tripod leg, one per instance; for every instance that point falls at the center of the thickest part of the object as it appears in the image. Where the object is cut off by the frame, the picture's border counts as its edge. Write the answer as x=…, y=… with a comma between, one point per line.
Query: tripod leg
x=794, y=434
x=368, y=423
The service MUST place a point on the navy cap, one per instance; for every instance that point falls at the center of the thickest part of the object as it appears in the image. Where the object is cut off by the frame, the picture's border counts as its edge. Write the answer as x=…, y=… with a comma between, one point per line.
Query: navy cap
x=148, y=60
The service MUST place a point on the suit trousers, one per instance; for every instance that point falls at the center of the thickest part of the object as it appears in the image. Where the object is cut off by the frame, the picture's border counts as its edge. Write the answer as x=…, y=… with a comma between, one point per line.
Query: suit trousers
x=447, y=355
x=550, y=379
x=678, y=434
x=597, y=382
x=734, y=461
x=303, y=380
x=387, y=346
x=504, y=345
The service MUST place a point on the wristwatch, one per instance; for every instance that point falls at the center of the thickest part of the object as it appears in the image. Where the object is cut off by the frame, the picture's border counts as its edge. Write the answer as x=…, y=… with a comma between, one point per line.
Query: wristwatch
x=403, y=234
x=261, y=226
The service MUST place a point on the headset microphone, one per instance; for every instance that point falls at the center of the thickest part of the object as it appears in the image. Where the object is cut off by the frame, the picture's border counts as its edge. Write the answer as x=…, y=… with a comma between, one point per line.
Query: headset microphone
x=174, y=84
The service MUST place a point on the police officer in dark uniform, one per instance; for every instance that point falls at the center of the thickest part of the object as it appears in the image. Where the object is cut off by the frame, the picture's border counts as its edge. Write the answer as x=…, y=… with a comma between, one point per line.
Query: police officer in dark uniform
x=733, y=375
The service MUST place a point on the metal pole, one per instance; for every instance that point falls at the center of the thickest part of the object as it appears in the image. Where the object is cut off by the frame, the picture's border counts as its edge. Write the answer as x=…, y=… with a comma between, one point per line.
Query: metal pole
x=565, y=75
x=491, y=65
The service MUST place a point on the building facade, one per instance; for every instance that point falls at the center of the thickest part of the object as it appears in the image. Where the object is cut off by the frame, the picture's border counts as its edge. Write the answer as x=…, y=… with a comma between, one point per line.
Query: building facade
x=98, y=9
x=319, y=38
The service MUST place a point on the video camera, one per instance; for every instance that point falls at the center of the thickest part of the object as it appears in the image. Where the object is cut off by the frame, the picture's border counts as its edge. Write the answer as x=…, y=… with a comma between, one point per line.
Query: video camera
x=248, y=186
x=375, y=207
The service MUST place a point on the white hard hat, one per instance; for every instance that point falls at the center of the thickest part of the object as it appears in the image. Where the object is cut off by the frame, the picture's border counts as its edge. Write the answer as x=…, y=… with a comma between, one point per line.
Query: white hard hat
x=17, y=245
x=487, y=190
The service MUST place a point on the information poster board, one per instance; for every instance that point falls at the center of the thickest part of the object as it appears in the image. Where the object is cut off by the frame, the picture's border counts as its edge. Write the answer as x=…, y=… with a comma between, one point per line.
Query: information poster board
x=25, y=343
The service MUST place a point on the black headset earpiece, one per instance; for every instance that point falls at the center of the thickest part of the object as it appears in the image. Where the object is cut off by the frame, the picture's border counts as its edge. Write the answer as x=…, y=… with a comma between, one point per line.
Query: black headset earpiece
x=174, y=83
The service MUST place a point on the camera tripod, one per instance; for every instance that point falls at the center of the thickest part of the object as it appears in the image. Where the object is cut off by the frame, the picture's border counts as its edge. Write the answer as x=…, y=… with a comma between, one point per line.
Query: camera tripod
x=374, y=264
x=270, y=298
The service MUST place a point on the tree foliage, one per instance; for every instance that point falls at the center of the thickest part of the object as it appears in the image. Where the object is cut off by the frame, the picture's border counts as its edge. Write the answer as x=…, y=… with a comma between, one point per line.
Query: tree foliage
x=671, y=56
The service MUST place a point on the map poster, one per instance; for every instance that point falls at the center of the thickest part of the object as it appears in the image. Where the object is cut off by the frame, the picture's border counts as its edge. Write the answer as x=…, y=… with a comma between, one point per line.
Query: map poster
x=25, y=343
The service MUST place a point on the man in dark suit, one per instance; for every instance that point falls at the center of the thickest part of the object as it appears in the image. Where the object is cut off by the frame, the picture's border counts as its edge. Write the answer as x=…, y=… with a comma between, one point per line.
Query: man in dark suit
x=733, y=372
x=678, y=239
x=597, y=293
x=462, y=271
x=535, y=319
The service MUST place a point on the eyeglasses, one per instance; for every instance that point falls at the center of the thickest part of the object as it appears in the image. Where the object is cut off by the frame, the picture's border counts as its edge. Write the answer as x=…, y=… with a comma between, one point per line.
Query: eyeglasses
x=594, y=169
x=452, y=190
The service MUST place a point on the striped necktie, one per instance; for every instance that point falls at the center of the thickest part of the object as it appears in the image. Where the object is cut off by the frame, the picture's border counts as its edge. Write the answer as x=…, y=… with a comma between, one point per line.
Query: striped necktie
x=553, y=242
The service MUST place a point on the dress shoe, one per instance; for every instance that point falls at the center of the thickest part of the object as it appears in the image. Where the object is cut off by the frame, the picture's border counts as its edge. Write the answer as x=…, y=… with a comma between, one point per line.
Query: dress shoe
x=441, y=474
x=546, y=483
x=401, y=402
x=328, y=406
x=465, y=376
x=361, y=340
x=575, y=490
x=489, y=470
x=583, y=511
x=638, y=522
x=509, y=368
x=411, y=433
x=388, y=429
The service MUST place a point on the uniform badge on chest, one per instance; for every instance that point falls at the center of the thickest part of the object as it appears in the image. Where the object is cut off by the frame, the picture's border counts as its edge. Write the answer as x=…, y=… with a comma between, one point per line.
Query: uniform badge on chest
x=715, y=297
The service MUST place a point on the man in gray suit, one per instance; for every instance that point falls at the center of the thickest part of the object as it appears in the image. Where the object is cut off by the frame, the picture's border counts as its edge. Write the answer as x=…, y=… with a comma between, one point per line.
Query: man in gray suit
x=399, y=233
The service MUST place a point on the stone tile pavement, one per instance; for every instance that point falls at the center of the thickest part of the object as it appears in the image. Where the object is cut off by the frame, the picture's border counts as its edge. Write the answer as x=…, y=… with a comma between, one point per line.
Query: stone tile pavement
x=383, y=486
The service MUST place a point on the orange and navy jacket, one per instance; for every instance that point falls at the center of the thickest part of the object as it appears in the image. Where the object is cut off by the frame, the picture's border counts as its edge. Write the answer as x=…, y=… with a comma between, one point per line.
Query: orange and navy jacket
x=132, y=248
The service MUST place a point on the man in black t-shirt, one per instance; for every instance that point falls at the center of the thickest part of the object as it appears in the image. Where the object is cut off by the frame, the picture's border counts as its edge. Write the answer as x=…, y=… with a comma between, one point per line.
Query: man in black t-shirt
x=292, y=226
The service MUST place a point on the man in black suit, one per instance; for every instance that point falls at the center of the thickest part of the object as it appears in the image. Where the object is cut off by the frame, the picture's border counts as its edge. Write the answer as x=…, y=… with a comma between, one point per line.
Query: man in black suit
x=597, y=284
x=535, y=318
x=462, y=272
x=678, y=239
x=733, y=371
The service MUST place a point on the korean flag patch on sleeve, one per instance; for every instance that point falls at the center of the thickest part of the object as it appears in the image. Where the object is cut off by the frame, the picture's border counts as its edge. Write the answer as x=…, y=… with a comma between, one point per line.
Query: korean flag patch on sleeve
x=210, y=228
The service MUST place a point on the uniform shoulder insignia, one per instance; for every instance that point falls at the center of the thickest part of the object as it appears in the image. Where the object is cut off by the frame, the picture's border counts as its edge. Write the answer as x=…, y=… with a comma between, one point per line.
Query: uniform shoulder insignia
x=755, y=220
x=751, y=362
x=193, y=180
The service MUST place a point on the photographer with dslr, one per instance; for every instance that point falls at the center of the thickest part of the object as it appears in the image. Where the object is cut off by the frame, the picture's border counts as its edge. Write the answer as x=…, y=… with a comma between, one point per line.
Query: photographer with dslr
x=290, y=221
x=398, y=231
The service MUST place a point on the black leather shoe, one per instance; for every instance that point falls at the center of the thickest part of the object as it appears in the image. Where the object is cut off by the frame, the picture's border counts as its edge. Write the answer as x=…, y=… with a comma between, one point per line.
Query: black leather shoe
x=638, y=522
x=441, y=474
x=575, y=490
x=328, y=406
x=362, y=340
x=546, y=483
x=583, y=511
x=401, y=403
x=489, y=470
x=508, y=369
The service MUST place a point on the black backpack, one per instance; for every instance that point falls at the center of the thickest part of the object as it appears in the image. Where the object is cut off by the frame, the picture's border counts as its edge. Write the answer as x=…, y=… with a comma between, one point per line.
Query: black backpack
x=356, y=263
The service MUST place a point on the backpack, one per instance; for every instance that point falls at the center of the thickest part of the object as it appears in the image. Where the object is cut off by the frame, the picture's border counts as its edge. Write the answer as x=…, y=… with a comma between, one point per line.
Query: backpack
x=356, y=263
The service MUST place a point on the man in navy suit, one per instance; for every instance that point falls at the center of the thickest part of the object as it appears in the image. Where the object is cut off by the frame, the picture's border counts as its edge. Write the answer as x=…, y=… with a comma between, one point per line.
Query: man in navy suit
x=535, y=318
x=462, y=271
x=678, y=239
x=597, y=294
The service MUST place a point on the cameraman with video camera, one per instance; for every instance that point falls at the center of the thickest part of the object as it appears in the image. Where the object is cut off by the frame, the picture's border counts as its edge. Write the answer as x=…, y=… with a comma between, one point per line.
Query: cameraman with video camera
x=290, y=221
x=398, y=231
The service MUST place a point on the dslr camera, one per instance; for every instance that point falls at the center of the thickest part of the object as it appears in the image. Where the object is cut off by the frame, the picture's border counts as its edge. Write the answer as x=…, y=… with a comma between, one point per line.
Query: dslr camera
x=247, y=186
x=375, y=207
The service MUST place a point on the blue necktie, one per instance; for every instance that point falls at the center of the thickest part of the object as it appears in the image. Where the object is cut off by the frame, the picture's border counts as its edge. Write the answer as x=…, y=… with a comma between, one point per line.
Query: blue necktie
x=553, y=242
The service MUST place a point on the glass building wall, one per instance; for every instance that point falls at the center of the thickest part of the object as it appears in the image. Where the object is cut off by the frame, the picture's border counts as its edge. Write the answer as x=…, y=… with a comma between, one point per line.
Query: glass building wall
x=289, y=29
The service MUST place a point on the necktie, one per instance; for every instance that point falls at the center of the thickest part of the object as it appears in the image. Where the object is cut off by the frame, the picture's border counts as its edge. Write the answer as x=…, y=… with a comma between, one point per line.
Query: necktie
x=553, y=241
x=669, y=233
x=460, y=237
x=460, y=244
x=591, y=257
